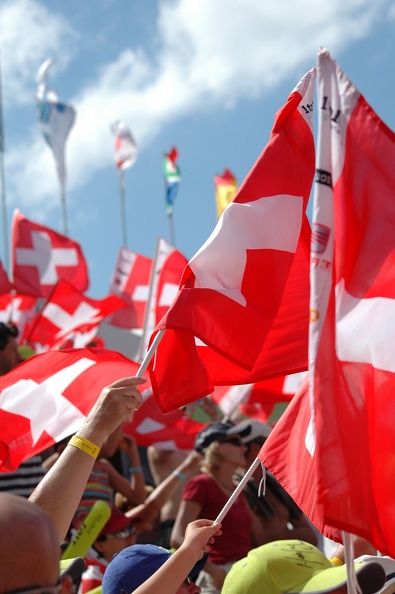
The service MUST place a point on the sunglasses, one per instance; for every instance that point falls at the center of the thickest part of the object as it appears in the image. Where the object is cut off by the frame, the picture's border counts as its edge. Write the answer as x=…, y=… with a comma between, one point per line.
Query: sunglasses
x=234, y=441
x=125, y=533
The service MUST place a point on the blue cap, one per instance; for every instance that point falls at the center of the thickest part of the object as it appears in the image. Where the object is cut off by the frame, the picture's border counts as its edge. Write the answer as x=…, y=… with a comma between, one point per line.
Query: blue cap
x=134, y=565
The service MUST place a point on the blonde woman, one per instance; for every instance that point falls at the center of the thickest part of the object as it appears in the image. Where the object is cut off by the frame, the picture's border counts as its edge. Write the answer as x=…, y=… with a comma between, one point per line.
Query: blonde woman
x=205, y=495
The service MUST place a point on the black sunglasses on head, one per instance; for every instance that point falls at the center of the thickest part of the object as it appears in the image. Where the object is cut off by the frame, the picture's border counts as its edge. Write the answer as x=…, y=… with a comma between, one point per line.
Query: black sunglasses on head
x=233, y=440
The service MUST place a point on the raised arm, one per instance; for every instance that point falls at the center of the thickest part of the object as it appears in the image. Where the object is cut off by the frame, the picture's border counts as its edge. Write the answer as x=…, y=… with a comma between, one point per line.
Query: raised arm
x=61, y=489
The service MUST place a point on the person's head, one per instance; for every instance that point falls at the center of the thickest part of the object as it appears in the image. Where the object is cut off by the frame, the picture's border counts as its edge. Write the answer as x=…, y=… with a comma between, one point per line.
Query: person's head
x=9, y=354
x=293, y=567
x=134, y=565
x=219, y=442
x=253, y=434
x=29, y=548
x=117, y=534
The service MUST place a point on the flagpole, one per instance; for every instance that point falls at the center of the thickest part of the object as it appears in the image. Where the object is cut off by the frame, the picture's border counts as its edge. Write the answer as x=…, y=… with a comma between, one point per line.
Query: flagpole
x=2, y=182
x=171, y=228
x=64, y=209
x=122, y=205
x=150, y=353
x=236, y=492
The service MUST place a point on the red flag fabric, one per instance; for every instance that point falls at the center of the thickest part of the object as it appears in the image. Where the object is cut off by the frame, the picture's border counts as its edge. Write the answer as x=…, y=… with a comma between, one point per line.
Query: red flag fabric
x=41, y=256
x=5, y=285
x=352, y=374
x=170, y=431
x=130, y=282
x=248, y=285
x=47, y=397
x=66, y=311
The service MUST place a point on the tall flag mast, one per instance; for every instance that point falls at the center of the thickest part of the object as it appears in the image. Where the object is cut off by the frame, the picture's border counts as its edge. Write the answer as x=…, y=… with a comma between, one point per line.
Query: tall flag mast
x=125, y=156
x=2, y=182
x=55, y=120
x=172, y=181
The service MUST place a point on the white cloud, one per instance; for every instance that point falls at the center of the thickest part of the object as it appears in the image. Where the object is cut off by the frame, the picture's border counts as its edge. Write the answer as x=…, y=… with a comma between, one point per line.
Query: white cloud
x=209, y=53
x=30, y=33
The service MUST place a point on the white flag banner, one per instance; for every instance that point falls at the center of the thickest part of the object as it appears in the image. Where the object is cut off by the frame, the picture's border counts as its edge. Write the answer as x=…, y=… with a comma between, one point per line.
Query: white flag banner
x=55, y=119
x=125, y=146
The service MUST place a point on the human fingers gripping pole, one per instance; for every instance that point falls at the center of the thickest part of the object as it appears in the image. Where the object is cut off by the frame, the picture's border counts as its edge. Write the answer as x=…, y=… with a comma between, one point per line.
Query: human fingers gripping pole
x=236, y=492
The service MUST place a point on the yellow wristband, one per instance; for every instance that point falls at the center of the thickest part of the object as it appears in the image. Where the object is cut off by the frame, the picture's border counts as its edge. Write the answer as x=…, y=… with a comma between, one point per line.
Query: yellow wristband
x=85, y=446
x=336, y=561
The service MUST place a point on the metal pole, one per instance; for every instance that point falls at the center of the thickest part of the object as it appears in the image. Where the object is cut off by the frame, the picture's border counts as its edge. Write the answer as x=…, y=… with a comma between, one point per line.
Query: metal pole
x=2, y=183
x=123, y=209
x=64, y=209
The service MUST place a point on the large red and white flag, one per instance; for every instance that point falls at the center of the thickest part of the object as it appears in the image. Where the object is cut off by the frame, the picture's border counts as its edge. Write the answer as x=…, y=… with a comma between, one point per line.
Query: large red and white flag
x=130, y=282
x=47, y=398
x=5, y=285
x=166, y=273
x=170, y=431
x=347, y=439
x=245, y=294
x=42, y=256
x=68, y=311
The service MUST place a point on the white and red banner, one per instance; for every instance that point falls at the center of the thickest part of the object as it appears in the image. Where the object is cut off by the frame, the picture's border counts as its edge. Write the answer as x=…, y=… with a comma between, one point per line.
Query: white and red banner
x=170, y=431
x=130, y=282
x=42, y=256
x=125, y=146
x=166, y=273
x=345, y=444
x=47, y=398
x=245, y=294
x=68, y=311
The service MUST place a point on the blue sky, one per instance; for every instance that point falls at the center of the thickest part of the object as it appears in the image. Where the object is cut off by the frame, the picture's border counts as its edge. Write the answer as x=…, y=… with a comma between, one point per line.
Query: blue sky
x=204, y=75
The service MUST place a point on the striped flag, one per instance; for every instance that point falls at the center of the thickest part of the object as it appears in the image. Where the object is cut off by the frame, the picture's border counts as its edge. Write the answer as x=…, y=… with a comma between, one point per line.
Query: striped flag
x=125, y=146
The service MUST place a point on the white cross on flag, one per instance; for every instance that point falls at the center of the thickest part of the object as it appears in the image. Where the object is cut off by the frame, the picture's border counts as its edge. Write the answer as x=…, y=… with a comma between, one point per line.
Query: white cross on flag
x=41, y=256
x=19, y=309
x=67, y=311
x=245, y=293
x=47, y=397
x=130, y=282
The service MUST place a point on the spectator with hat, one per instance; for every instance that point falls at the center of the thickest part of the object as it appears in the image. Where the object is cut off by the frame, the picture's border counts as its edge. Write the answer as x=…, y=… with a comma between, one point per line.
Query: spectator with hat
x=117, y=534
x=279, y=515
x=292, y=566
x=149, y=569
x=206, y=494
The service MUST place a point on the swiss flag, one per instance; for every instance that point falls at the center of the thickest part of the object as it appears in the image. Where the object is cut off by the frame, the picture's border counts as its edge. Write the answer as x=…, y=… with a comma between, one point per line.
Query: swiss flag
x=171, y=431
x=347, y=438
x=5, y=285
x=130, y=282
x=66, y=311
x=245, y=294
x=41, y=256
x=47, y=398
